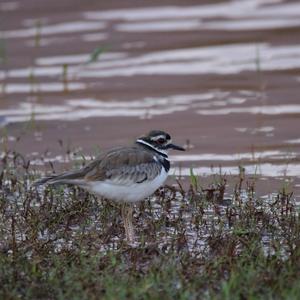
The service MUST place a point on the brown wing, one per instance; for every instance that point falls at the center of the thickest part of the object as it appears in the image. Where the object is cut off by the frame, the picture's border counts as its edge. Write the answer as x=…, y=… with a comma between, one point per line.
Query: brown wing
x=121, y=165
x=124, y=166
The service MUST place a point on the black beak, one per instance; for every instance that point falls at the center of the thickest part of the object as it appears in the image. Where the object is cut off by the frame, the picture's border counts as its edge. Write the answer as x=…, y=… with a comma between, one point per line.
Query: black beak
x=175, y=147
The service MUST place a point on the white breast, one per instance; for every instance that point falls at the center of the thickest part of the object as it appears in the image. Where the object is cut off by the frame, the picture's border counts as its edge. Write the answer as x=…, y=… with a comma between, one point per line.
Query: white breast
x=127, y=193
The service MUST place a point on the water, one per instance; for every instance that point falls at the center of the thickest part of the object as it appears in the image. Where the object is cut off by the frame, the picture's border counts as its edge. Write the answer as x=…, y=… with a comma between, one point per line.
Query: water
x=221, y=77
x=186, y=218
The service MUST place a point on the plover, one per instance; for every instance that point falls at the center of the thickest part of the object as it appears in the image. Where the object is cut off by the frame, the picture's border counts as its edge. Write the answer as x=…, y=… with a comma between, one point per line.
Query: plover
x=124, y=174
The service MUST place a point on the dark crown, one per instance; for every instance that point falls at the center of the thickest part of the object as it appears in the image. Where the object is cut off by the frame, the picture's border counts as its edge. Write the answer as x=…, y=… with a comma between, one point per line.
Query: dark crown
x=159, y=140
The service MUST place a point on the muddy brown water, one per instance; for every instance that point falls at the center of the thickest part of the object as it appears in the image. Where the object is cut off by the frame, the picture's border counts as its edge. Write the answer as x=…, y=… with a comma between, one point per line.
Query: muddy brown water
x=222, y=76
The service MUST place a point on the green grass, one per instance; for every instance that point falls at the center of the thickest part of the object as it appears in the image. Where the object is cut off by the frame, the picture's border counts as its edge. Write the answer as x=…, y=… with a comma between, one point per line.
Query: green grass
x=193, y=244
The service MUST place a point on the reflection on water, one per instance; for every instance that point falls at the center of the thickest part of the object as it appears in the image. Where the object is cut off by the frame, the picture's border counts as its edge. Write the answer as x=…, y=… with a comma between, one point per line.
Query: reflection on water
x=185, y=25
x=263, y=169
x=78, y=109
x=225, y=59
x=228, y=9
x=275, y=154
x=70, y=27
x=218, y=73
x=251, y=163
x=268, y=130
x=178, y=25
x=76, y=59
x=266, y=110
x=16, y=88
x=228, y=59
x=295, y=141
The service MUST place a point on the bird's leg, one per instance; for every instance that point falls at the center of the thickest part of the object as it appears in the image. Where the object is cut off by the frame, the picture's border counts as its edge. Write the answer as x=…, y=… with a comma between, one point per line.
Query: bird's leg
x=127, y=211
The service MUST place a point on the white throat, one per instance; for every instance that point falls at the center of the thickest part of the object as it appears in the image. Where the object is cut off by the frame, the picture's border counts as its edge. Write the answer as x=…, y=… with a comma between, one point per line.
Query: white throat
x=163, y=152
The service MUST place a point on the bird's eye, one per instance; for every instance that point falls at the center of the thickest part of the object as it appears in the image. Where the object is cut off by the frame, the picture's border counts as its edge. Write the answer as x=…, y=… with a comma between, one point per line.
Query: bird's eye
x=161, y=141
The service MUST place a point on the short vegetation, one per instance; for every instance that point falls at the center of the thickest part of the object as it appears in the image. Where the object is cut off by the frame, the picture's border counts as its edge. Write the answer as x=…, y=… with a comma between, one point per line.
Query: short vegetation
x=193, y=243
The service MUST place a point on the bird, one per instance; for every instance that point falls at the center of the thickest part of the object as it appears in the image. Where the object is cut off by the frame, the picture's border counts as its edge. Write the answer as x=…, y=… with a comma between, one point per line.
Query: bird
x=125, y=174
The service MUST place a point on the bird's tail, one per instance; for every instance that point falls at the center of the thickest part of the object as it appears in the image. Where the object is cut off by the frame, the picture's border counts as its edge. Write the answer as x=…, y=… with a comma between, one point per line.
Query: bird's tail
x=64, y=178
x=45, y=180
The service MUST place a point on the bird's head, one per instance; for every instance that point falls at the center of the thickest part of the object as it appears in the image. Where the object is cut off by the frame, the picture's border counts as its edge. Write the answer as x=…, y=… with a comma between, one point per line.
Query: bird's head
x=159, y=140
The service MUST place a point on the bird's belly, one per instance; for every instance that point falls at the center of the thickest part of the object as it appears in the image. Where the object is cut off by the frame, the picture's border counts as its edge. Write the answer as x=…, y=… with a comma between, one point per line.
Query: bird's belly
x=130, y=192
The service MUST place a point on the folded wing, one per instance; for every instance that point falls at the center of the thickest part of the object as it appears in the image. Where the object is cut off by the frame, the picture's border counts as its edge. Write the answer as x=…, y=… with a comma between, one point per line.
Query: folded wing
x=120, y=166
x=125, y=166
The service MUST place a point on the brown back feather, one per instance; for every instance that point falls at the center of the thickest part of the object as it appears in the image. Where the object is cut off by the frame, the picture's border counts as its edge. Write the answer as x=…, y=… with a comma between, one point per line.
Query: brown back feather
x=113, y=162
